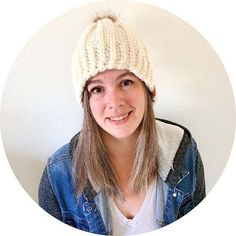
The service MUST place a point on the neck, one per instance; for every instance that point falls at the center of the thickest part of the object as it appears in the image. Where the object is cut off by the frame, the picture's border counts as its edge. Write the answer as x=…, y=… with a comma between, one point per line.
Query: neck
x=121, y=153
x=121, y=149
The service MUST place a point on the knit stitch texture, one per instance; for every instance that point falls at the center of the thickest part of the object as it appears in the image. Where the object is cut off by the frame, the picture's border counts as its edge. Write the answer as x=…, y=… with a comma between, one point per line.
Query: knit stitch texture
x=107, y=44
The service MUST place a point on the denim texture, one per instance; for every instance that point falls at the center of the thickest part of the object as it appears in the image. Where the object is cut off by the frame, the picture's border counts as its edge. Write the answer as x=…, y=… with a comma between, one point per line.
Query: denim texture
x=89, y=212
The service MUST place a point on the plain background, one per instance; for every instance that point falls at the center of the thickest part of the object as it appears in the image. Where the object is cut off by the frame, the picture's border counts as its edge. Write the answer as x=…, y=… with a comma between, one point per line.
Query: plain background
x=29, y=117
x=40, y=112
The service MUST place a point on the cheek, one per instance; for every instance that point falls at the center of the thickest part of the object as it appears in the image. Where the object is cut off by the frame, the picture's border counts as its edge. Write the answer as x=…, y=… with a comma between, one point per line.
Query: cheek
x=141, y=105
x=92, y=107
x=138, y=99
x=95, y=108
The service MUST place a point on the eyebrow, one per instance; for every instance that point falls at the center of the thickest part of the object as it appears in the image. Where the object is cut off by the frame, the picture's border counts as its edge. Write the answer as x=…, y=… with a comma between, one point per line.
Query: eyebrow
x=93, y=81
x=119, y=77
x=125, y=73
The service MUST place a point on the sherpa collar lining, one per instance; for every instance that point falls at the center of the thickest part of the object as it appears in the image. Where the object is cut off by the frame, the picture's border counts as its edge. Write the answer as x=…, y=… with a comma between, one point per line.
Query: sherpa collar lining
x=169, y=138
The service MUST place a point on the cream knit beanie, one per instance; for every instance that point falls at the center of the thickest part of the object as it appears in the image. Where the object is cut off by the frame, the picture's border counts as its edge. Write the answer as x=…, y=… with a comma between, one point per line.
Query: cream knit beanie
x=109, y=44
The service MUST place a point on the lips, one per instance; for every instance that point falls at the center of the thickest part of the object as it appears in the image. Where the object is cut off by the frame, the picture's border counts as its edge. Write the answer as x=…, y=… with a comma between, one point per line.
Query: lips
x=119, y=117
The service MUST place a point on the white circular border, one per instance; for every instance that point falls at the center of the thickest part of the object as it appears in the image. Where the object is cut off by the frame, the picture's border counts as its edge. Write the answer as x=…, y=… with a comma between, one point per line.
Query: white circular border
x=20, y=20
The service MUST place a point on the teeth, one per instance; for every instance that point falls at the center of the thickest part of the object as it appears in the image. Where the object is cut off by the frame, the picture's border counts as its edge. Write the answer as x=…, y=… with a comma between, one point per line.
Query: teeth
x=119, y=117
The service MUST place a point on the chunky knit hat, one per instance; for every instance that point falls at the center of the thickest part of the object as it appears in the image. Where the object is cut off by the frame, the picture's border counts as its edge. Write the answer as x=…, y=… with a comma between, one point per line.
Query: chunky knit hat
x=109, y=44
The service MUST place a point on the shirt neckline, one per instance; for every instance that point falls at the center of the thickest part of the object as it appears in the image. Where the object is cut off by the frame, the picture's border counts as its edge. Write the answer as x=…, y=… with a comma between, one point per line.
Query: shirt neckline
x=141, y=211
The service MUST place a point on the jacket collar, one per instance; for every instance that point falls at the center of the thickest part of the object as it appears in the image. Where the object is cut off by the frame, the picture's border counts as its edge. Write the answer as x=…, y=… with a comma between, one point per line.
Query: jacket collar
x=175, y=172
x=178, y=172
x=169, y=137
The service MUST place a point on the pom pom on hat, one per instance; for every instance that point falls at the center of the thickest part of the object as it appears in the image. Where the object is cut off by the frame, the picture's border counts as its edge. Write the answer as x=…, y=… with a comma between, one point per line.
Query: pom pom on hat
x=102, y=15
x=107, y=44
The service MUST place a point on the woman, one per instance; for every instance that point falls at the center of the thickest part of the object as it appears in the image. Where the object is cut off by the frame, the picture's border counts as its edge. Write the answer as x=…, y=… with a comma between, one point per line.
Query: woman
x=125, y=172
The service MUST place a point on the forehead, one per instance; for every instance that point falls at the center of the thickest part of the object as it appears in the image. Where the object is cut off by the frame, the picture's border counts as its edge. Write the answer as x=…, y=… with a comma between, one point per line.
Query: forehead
x=111, y=74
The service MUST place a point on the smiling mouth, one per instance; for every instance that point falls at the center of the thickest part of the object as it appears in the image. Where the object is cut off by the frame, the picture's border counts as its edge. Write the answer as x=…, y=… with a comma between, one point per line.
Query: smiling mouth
x=120, y=117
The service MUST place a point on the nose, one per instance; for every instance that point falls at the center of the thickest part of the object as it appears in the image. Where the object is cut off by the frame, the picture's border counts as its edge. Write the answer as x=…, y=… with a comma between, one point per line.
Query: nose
x=115, y=100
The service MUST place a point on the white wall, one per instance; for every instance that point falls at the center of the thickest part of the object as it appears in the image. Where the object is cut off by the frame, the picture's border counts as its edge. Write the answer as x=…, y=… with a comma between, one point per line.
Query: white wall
x=39, y=111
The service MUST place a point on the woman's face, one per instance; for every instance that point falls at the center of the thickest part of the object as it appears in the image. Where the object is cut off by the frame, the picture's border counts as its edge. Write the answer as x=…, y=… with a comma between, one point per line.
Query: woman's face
x=117, y=102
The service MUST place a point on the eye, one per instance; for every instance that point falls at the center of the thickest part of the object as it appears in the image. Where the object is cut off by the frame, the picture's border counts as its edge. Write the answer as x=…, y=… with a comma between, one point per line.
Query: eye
x=126, y=82
x=96, y=90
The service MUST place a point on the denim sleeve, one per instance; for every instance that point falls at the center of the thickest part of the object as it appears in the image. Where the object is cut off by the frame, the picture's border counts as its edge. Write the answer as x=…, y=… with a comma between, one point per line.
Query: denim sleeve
x=47, y=198
x=200, y=191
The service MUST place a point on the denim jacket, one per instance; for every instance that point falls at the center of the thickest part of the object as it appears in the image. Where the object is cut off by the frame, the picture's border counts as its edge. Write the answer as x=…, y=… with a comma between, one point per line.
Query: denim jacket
x=180, y=168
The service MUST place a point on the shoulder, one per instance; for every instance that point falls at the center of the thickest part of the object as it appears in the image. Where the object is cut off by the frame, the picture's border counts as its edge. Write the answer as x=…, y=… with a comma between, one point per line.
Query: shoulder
x=59, y=171
x=59, y=167
x=65, y=152
x=60, y=155
x=59, y=164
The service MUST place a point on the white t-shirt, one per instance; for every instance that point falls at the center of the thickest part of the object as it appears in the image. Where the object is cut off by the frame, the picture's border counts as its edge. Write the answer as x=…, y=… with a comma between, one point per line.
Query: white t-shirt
x=145, y=219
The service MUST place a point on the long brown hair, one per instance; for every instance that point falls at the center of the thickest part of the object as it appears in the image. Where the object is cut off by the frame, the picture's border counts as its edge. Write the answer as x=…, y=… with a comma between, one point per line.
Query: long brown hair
x=92, y=165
